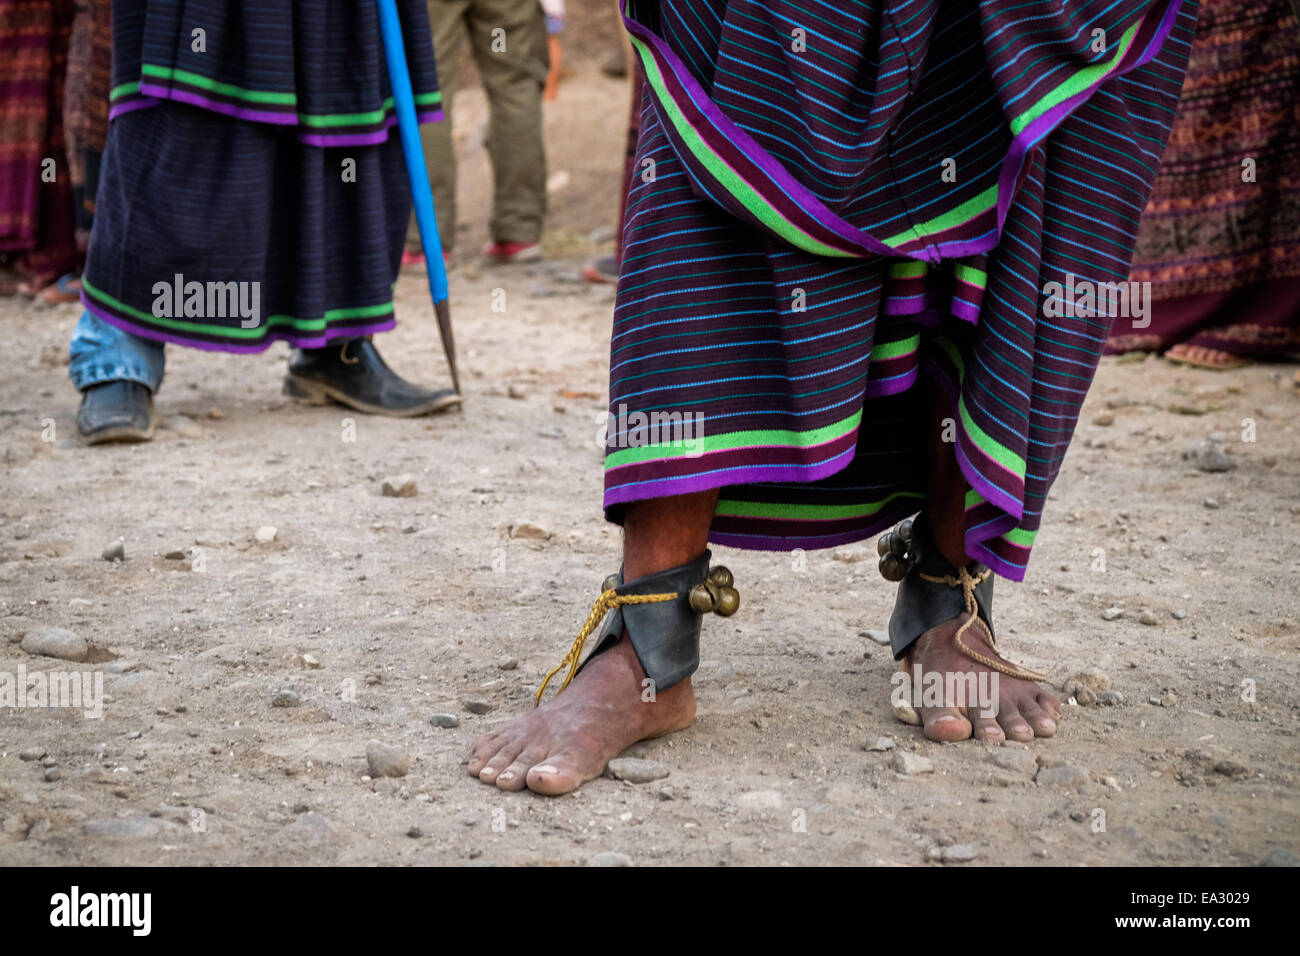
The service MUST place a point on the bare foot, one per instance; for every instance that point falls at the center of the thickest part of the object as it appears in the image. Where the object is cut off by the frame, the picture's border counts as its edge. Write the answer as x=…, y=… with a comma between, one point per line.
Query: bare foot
x=1023, y=709
x=1203, y=357
x=572, y=737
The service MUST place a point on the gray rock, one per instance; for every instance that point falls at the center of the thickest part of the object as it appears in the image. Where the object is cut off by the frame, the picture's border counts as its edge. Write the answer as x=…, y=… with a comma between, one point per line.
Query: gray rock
x=130, y=828
x=880, y=637
x=1281, y=856
x=882, y=745
x=1011, y=758
x=31, y=753
x=386, y=761
x=445, y=721
x=286, y=697
x=1069, y=776
x=959, y=853
x=399, y=486
x=1112, y=614
x=183, y=425
x=1210, y=456
x=609, y=858
x=1109, y=698
x=477, y=706
x=1148, y=618
x=1179, y=614
x=53, y=774
x=637, y=770
x=1232, y=767
x=115, y=551
x=265, y=534
x=508, y=664
x=906, y=762
x=55, y=642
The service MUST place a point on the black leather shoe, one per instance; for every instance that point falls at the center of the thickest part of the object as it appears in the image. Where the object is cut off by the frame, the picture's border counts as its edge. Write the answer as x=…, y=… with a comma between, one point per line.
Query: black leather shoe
x=352, y=373
x=115, y=411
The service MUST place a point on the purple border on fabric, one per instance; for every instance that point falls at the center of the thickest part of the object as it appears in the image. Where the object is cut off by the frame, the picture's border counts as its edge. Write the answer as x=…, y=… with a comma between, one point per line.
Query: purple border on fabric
x=887, y=516
x=131, y=106
x=363, y=139
x=990, y=491
x=216, y=106
x=894, y=385
x=351, y=331
x=743, y=475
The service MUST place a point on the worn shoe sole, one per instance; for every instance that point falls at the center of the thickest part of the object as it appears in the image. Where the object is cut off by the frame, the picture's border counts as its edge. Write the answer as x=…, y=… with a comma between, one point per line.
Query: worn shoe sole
x=122, y=434
x=318, y=393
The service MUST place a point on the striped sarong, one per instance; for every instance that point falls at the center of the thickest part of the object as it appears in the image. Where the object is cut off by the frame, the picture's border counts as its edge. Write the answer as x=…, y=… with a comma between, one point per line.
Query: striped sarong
x=833, y=198
x=249, y=147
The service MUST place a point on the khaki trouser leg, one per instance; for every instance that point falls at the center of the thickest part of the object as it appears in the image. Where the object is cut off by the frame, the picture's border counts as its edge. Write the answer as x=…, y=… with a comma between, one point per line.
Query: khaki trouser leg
x=447, y=19
x=508, y=38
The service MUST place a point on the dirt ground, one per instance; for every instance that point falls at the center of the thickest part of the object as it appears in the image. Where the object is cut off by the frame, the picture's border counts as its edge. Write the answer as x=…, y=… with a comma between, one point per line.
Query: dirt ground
x=368, y=615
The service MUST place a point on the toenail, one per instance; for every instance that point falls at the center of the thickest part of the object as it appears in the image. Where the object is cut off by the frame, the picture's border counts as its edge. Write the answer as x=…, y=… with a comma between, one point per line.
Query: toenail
x=508, y=775
x=547, y=768
x=945, y=720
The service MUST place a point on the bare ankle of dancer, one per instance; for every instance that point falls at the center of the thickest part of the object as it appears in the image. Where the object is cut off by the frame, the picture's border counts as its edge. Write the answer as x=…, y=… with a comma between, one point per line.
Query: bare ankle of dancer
x=1023, y=710
x=572, y=737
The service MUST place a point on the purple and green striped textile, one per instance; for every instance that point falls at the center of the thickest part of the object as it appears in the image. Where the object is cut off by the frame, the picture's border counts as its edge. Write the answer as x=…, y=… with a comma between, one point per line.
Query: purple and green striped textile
x=836, y=200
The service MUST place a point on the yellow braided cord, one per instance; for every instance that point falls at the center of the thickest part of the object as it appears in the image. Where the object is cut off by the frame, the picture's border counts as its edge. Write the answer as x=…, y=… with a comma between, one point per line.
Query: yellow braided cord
x=968, y=582
x=607, y=601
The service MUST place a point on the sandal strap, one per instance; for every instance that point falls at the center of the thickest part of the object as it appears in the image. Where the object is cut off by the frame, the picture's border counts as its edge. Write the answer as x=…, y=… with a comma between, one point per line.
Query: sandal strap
x=661, y=615
x=968, y=583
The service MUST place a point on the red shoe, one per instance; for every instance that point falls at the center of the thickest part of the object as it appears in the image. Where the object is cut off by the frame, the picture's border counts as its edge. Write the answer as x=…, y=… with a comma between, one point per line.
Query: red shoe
x=412, y=258
x=509, y=252
x=602, y=271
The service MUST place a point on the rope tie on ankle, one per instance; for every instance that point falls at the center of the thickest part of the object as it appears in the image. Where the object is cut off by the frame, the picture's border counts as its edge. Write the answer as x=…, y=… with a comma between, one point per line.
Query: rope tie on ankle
x=968, y=582
x=607, y=601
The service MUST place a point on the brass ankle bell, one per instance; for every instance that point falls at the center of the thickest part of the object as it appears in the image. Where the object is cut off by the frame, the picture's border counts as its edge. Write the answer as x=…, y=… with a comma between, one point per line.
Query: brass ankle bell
x=896, y=553
x=717, y=594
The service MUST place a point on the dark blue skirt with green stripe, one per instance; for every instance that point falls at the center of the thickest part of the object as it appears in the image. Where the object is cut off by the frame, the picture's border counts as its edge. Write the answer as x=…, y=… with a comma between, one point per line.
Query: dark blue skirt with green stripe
x=252, y=151
x=838, y=199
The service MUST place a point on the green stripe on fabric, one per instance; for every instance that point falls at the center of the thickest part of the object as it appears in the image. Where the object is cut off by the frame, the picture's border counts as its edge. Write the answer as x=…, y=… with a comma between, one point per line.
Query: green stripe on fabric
x=226, y=89
x=688, y=448
x=971, y=276
x=125, y=89
x=1021, y=537
x=1076, y=84
x=281, y=99
x=1003, y=455
x=888, y=350
x=724, y=174
x=311, y=325
x=949, y=220
x=906, y=269
x=732, y=508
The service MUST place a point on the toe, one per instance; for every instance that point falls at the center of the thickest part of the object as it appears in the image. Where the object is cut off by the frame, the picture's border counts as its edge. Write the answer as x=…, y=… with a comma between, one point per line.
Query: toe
x=555, y=775
x=485, y=749
x=1013, y=722
x=514, y=777
x=500, y=760
x=984, y=727
x=945, y=724
x=1050, y=703
x=1042, y=722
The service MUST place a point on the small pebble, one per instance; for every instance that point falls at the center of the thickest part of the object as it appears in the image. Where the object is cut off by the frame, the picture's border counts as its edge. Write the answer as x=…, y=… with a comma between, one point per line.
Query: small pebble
x=1148, y=618
x=881, y=745
x=31, y=753
x=286, y=697
x=115, y=551
x=959, y=853
x=399, y=486
x=477, y=706
x=445, y=721
x=1112, y=613
x=265, y=534
x=385, y=760
x=906, y=762
x=637, y=770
